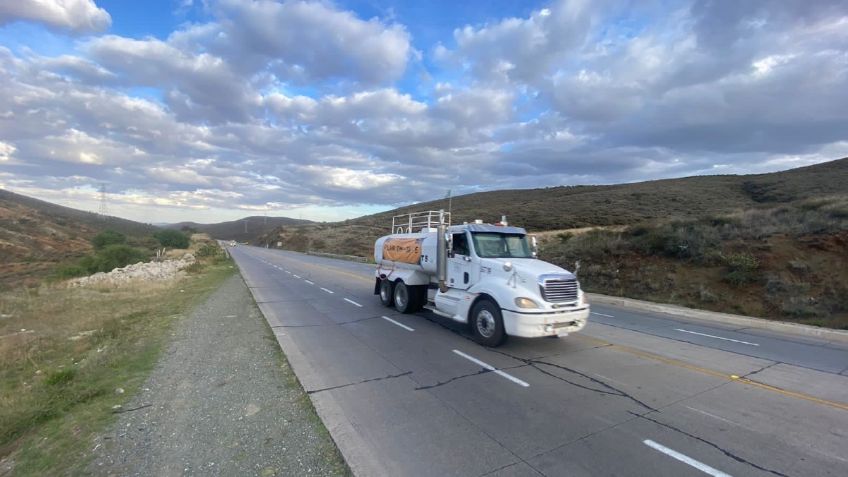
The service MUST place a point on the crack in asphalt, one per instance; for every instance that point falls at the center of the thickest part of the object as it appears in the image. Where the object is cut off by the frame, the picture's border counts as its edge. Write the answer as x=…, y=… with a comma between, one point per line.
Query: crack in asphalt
x=326, y=324
x=609, y=389
x=390, y=376
x=508, y=466
x=534, y=362
x=762, y=369
x=442, y=383
x=455, y=378
x=711, y=444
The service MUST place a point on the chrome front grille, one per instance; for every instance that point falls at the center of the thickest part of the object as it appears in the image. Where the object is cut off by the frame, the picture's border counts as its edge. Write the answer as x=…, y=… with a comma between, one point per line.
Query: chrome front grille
x=559, y=290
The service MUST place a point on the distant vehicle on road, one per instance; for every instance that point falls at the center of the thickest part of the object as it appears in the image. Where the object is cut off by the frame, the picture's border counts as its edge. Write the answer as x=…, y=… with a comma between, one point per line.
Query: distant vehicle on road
x=233, y=243
x=486, y=275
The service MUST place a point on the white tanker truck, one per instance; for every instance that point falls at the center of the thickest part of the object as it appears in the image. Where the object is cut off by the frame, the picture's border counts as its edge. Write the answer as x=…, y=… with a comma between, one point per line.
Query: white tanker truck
x=486, y=275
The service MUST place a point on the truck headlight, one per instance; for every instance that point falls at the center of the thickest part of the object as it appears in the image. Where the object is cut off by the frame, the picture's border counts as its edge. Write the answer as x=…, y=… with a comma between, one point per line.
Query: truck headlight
x=523, y=302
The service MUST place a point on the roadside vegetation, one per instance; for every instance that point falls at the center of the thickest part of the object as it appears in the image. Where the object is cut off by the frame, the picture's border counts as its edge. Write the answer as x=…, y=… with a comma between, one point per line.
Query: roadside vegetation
x=73, y=356
x=787, y=262
x=114, y=250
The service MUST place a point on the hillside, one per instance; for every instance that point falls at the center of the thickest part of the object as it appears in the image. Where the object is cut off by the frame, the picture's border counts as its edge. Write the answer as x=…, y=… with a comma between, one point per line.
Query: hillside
x=36, y=235
x=571, y=207
x=770, y=245
x=241, y=230
x=621, y=204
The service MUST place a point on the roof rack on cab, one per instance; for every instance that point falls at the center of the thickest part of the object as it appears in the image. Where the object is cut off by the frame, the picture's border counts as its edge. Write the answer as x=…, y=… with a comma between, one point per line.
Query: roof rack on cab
x=419, y=221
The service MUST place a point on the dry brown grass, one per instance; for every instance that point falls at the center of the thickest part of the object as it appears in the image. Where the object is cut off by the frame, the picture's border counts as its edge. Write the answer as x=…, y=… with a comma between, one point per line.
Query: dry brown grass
x=66, y=351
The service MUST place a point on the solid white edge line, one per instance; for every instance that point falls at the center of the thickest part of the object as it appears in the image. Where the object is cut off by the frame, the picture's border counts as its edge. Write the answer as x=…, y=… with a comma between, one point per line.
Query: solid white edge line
x=716, y=337
x=685, y=459
x=311, y=283
x=328, y=291
x=352, y=302
x=296, y=276
x=397, y=323
x=601, y=314
x=492, y=368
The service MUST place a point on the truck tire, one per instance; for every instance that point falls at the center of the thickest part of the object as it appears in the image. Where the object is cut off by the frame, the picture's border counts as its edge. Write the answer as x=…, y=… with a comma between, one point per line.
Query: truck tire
x=405, y=297
x=486, y=323
x=387, y=292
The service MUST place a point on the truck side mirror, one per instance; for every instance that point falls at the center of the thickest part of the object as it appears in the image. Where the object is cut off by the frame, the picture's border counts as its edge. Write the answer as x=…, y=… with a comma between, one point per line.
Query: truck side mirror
x=449, y=242
x=535, y=245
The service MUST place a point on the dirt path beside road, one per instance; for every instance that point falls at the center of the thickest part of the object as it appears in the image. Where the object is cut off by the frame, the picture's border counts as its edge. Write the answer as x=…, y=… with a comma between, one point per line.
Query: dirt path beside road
x=222, y=401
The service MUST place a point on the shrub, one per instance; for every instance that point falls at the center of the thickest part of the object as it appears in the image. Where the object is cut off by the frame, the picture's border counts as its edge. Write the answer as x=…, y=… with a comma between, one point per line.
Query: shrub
x=208, y=250
x=108, y=237
x=172, y=238
x=741, y=268
x=61, y=377
x=105, y=260
x=70, y=271
x=564, y=236
x=116, y=256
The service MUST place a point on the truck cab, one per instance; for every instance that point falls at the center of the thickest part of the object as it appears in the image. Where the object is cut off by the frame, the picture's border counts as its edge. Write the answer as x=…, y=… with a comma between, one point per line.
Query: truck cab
x=485, y=275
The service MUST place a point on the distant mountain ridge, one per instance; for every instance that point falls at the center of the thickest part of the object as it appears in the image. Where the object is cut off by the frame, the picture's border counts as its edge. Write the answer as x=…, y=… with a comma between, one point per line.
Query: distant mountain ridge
x=245, y=229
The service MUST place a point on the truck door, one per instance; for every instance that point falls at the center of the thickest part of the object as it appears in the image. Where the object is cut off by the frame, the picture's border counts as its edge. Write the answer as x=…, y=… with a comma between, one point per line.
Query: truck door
x=460, y=265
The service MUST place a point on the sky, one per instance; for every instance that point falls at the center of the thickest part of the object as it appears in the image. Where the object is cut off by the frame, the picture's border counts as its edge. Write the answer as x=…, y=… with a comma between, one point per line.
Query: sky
x=211, y=110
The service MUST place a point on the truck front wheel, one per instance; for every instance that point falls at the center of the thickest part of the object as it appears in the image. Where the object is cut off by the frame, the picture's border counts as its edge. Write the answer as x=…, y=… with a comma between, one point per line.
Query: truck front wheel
x=486, y=323
x=387, y=290
x=405, y=298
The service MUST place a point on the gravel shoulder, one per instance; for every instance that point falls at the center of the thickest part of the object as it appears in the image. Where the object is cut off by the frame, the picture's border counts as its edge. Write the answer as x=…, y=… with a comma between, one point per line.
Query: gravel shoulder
x=222, y=401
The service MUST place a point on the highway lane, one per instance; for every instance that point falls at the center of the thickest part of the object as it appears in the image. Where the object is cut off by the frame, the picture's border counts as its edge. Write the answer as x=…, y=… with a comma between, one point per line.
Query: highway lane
x=632, y=395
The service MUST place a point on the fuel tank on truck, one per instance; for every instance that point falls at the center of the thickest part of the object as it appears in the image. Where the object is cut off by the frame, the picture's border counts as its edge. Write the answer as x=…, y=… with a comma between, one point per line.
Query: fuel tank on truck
x=415, y=251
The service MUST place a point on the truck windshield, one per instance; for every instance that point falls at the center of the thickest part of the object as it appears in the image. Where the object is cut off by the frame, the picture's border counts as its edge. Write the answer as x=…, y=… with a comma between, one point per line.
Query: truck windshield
x=495, y=245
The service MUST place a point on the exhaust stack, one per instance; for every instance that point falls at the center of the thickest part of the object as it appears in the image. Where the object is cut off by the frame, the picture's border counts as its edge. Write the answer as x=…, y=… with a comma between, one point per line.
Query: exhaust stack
x=441, y=254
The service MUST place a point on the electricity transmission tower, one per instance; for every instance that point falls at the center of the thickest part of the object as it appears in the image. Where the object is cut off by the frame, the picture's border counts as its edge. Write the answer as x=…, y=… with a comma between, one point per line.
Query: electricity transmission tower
x=104, y=208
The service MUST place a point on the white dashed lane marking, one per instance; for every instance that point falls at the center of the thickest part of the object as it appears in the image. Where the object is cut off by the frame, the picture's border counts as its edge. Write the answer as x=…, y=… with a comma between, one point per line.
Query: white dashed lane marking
x=685, y=459
x=397, y=323
x=492, y=368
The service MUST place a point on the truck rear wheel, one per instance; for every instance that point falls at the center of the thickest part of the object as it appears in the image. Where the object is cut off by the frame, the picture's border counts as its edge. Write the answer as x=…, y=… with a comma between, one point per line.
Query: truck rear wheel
x=387, y=290
x=486, y=323
x=405, y=298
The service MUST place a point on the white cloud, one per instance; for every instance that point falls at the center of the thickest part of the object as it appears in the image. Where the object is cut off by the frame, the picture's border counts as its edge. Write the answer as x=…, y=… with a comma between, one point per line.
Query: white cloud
x=79, y=16
x=6, y=151
x=308, y=107
x=299, y=41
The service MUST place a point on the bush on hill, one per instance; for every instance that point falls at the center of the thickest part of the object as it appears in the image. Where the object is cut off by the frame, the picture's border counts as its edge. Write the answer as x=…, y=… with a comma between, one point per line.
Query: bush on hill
x=172, y=238
x=105, y=260
x=108, y=237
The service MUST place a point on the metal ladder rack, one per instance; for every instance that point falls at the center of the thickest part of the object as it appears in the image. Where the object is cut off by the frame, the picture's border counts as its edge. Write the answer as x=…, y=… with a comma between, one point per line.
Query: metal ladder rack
x=418, y=221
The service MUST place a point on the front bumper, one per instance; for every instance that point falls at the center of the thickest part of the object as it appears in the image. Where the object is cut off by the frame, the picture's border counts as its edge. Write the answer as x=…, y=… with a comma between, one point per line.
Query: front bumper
x=545, y=323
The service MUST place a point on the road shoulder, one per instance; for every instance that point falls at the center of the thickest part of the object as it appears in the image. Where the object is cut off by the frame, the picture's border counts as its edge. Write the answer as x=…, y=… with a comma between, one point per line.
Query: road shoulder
x=221, y=401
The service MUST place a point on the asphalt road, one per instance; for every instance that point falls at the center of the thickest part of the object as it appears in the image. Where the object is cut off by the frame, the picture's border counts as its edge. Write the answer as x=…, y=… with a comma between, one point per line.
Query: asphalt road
x=633, y=394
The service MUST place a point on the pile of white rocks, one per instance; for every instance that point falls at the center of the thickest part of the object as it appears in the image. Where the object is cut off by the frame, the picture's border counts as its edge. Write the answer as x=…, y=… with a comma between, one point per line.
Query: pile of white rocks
x=164, y=270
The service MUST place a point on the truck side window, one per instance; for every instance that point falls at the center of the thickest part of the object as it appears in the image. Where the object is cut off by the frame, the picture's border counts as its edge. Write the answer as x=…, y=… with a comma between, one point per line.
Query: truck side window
x=460, y=245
